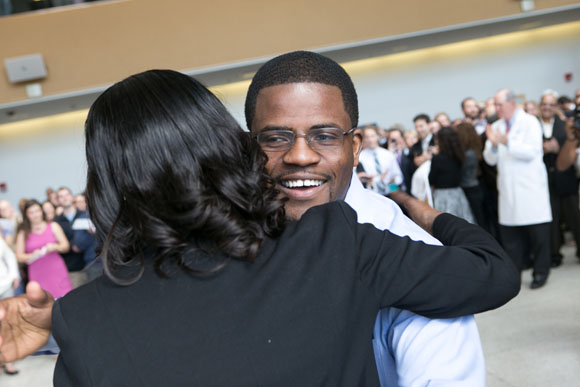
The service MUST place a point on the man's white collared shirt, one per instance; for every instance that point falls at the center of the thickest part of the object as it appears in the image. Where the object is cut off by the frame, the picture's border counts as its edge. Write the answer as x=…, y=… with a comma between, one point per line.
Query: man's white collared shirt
x=387, y=163
x=411, y=350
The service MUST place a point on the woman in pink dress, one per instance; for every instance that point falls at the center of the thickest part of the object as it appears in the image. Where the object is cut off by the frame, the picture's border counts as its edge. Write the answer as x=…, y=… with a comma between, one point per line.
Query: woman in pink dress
x=38, y=244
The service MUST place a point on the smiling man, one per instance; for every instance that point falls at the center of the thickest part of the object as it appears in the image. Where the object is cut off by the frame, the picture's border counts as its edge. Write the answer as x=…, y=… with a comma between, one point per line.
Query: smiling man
x=294, y=103
x=307, y=177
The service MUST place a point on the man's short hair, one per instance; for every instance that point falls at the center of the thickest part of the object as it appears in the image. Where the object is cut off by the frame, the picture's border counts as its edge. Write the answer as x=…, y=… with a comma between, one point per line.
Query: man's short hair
x=396, y=128
x=64, y=188
x=374, y=127
x=564, y=99
x=465, y=100
x=302, y=67
x=422, y=116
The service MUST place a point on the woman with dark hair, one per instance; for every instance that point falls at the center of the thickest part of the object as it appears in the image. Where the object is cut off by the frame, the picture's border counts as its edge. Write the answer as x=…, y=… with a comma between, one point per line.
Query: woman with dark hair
x=49, y=210
x=470, y=171
x=207, y=283
x=38, y=244
x=445, y=175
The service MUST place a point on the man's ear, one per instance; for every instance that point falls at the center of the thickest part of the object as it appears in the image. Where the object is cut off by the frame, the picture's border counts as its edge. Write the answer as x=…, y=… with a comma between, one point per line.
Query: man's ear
x=356, y=145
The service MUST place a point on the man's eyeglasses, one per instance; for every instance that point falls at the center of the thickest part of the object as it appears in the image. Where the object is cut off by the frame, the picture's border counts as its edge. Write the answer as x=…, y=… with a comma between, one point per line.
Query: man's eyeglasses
x=318, y=139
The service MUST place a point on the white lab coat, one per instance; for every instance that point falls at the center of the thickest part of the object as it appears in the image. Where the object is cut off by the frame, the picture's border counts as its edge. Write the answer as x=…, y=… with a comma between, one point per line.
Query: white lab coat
x=522, y=180
x=8, y=267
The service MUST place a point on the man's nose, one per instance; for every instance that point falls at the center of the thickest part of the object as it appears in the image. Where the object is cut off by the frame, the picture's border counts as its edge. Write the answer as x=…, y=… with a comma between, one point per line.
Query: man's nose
x=301, y=153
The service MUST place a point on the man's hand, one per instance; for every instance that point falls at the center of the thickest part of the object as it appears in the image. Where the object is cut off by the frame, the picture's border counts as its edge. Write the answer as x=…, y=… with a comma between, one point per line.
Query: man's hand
x=491, y=136
x=551, y=146
x=384, y=175
x=502, y=138
x=571, y=131
x=25, y=323
x=567, y=157
x=420, y=212
x=418, y=160
x=365, y=178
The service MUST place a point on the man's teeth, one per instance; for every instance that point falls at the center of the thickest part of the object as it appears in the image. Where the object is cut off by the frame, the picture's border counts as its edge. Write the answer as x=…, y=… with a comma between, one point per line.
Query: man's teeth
x=301, y=183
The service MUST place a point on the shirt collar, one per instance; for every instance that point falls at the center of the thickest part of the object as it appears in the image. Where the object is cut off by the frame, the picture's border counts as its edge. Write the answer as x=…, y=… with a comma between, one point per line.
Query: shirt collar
x=551, y=122
x=514, y=117
x=355, y=191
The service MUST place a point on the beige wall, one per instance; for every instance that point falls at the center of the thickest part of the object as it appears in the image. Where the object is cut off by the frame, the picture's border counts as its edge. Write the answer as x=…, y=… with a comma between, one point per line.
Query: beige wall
x=99, y=43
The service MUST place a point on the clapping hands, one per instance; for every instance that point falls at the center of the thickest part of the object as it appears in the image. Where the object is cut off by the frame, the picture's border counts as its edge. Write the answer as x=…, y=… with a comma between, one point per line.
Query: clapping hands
x=495, y=138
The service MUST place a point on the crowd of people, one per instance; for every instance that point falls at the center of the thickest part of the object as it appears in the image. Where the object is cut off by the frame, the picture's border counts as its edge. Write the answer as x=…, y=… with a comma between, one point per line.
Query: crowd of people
x=495, y=166
x=51, y=243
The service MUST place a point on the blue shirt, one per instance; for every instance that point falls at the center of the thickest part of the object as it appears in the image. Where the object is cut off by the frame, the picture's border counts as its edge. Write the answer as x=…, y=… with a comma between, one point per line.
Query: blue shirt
x=411, y=350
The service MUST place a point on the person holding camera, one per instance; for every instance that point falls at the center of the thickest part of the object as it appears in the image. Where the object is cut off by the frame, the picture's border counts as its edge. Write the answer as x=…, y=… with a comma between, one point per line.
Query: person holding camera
x=563, y=184
x=569, y=155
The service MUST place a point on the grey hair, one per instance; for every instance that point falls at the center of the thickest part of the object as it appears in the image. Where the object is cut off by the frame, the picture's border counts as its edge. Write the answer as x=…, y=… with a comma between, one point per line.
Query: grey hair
x=509, y=94
x=551, y=92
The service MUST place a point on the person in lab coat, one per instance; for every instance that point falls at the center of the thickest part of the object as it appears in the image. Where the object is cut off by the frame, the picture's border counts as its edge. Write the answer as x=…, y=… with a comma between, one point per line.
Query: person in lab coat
x=514, y=144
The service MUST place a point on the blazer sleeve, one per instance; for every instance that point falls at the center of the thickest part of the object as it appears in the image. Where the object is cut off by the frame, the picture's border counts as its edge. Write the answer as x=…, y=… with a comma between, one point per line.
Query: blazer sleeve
x=470, y=274
x=83, y=240
x=434, y=172
x=70, y=368
x=66, y=227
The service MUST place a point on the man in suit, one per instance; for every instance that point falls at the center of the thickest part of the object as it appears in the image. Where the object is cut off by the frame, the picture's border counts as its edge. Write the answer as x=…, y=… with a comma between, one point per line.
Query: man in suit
x=396, y=144
x=568, y=156
x=421, y=151
x=514, y=144
x=75, y=225
x=563, y=184
x=472, y=114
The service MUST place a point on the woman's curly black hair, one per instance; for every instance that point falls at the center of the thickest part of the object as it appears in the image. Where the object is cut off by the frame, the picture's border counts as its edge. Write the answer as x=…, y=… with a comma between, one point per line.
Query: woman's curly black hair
x=171, y=171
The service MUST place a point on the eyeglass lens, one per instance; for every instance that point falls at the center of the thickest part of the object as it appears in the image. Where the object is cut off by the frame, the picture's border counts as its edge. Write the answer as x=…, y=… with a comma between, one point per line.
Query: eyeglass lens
x=318, y=139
